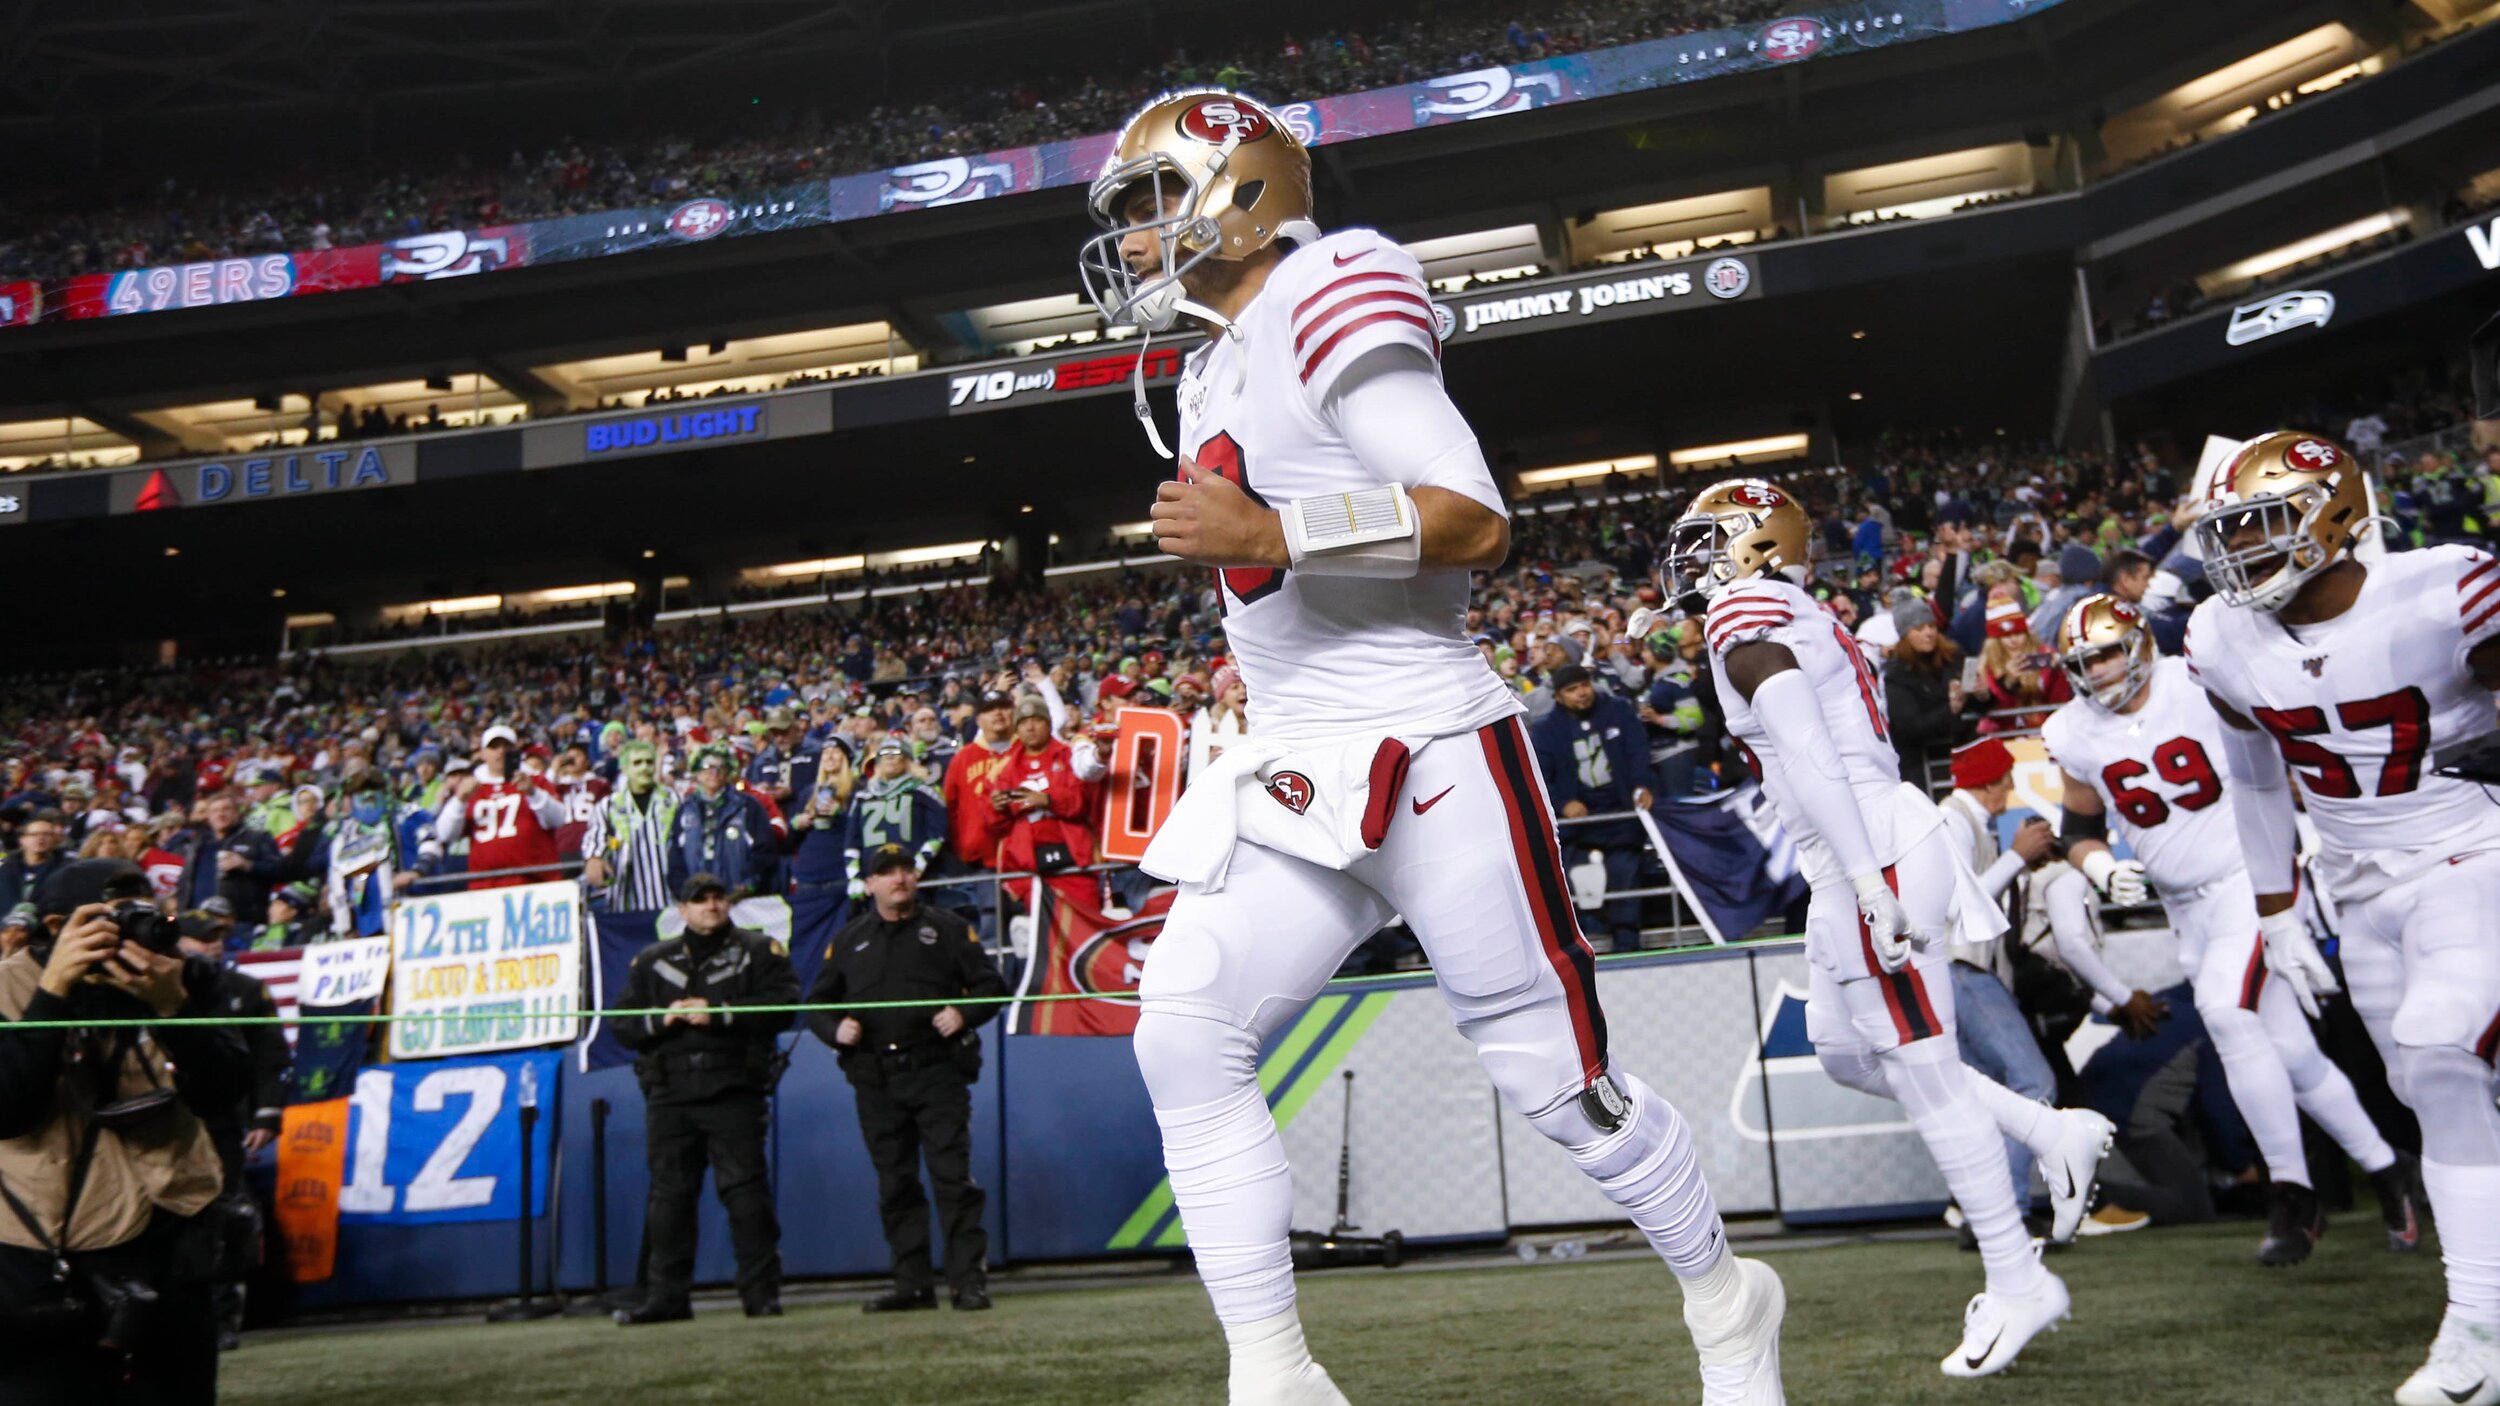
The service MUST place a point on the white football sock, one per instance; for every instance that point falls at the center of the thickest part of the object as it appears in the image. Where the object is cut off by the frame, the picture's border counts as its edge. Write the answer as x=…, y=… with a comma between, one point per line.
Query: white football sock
x=1933, y=1085
x=2452, y=1090
x=2322, y=1090
x=2026, y=1121
x=2260, y=1087
x=1228, y=1170
x=1268, y=1349
x=1646, y=1166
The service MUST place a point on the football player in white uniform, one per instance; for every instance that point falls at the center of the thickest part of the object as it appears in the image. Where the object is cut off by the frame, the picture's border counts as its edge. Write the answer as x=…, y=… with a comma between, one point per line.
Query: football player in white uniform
x=1343, y=499
x=1888, y=887
x=2140, y=750
x=2357, y=679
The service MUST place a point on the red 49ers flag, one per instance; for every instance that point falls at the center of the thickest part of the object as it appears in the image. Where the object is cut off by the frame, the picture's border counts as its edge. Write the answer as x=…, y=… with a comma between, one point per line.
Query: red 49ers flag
x=1081, y=951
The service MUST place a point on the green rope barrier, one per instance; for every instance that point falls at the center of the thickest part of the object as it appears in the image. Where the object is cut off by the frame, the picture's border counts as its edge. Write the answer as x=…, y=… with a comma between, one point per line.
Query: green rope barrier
x=926, y=1003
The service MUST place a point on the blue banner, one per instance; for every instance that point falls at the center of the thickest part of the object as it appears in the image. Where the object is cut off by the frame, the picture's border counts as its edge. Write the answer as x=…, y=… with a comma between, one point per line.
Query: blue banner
x=614, y=939
x=438, y=1142
x=1729, y=859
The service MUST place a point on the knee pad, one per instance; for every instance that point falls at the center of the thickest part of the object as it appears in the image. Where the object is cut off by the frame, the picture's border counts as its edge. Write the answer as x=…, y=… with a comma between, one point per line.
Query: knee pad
x=2436, y=1012
x=1190, y=1059
x=2452, y=1092
x=1854, y=1067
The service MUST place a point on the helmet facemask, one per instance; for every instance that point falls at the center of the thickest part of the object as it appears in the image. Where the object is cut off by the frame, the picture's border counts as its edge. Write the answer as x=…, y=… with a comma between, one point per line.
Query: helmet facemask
x=2268, y=574
x=2087, y=667
x=1695, y=569
x=1184, y=237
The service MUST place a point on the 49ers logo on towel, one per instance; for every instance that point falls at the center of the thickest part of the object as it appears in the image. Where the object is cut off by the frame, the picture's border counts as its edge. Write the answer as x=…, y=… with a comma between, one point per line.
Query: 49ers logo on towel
x=1292, y=790
x=1219, y=120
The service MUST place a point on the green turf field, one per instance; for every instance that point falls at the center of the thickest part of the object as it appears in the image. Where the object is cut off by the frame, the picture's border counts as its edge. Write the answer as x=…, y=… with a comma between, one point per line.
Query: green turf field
x=2161, y=1316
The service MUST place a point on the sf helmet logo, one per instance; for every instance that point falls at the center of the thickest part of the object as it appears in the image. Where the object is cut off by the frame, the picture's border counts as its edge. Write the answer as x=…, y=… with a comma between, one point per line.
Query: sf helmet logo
x=2123, y=613
x=1219, y=120
x=1790, y=40
x=1755, y=495
x=1292, y=790
x=2313, y=454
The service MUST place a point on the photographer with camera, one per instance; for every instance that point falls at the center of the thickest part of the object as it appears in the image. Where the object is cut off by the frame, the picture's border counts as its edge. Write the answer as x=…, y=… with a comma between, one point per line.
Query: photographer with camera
x=108, y=1243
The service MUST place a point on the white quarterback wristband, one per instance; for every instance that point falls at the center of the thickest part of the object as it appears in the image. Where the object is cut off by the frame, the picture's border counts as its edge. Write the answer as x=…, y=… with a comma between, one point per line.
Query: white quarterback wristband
x=1373, y=532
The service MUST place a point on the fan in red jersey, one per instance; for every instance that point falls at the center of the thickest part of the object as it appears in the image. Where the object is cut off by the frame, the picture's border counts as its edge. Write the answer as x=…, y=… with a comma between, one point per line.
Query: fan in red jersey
x=509, y=816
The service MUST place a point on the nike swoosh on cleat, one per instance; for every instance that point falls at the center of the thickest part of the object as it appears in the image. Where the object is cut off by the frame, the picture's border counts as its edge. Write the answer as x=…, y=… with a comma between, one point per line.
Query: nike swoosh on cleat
x=1422, y=805
x=2465, y=1395
x=1345, y=259
x=1973, y=1362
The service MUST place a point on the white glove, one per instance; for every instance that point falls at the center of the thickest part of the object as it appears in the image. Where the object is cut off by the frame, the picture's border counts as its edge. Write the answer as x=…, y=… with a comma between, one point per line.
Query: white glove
x=1887, y=922
x=2121, y=881
x=1642, y=621
x=2293, y=955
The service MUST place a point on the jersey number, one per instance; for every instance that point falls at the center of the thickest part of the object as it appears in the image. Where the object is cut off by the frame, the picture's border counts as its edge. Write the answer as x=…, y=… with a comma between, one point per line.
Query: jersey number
x=1246, y=584
x=2181, y=761
x=496, y=817
x=2406, y=715
x=1867, y=687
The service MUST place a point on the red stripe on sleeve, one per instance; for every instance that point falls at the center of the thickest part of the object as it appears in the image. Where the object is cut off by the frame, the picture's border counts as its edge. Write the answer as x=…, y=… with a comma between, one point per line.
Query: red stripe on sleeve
x=1352, y=279
x=1320, y=353
x=1399, y=296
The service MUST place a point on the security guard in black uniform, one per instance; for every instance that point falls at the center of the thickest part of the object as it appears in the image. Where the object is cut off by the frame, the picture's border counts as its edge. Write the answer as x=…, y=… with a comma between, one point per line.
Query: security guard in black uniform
x=911, y=1071
x=707, y=1075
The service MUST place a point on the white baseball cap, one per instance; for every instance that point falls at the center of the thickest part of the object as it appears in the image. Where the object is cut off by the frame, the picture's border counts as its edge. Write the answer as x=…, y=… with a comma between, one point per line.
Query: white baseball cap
x=498, y=733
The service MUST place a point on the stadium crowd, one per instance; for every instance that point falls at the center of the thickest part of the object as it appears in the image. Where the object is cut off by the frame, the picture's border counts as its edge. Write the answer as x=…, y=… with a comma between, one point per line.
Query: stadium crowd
x=1985, y=540
x=63, y=231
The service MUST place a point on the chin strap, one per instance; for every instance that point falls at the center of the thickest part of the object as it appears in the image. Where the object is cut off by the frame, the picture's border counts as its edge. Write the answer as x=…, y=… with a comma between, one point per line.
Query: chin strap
x=1137, y=374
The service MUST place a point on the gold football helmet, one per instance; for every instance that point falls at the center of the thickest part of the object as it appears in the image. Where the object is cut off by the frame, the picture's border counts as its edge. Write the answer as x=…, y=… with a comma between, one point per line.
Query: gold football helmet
x=1733, y=531
x=2106, y=649
x=2305, y=496
x=1227, y=178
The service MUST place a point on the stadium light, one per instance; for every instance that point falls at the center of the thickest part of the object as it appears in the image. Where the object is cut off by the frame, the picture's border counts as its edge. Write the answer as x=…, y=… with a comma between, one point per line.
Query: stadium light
x=1742, y=451
x=562, y=595
x=1133, y=529
x=921, y=556
x=2301, y=250
x=822, y=566
x=462, y=605
x=1572, y=473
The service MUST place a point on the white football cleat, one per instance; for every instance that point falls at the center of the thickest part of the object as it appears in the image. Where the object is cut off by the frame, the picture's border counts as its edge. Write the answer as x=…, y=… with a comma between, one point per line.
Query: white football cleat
x=2464, y=1369
x=2083, y=1139
x=1306, y=1386
x=1740, y=1355
x=1996, y=1327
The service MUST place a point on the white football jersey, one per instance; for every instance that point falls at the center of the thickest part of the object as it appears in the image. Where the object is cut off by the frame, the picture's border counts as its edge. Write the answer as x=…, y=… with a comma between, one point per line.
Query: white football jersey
x=1853, y=713
x=2360, y=703
x=1333, y=656
x=2160, y=774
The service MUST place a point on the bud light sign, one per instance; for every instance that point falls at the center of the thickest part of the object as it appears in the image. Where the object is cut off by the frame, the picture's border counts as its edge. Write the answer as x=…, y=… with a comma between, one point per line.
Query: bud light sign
x=648, y=433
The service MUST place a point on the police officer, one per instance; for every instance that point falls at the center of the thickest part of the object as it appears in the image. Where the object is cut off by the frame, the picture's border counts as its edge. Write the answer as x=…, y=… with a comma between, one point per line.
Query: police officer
x=911, y=1070
x=707, y=1072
